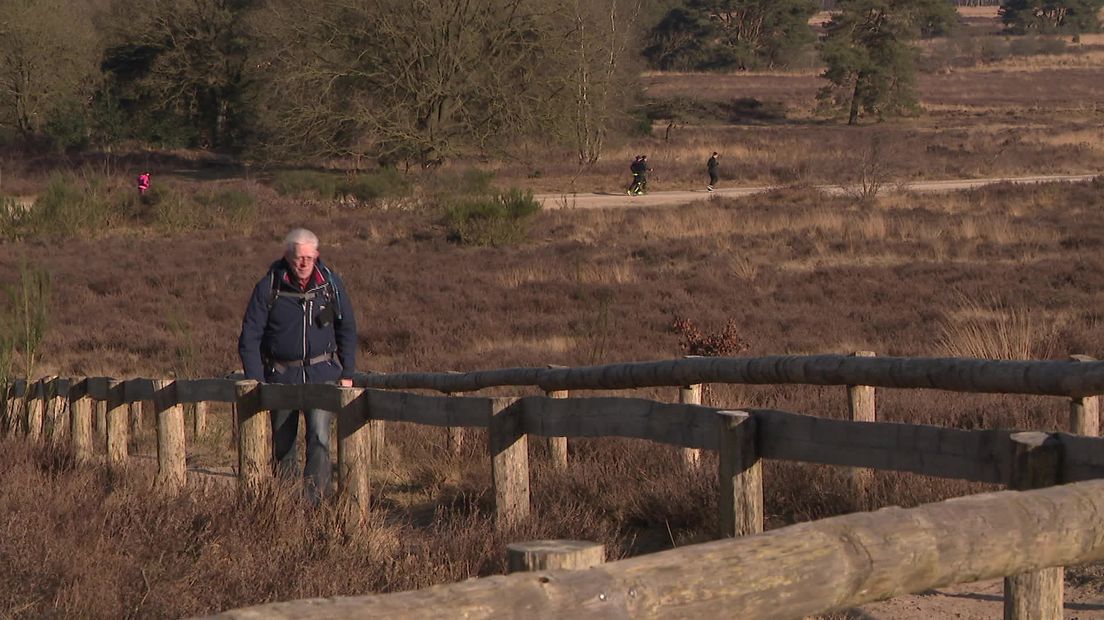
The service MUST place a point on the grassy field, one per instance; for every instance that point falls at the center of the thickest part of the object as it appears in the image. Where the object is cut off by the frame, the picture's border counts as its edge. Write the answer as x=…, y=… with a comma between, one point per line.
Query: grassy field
x=158, y=290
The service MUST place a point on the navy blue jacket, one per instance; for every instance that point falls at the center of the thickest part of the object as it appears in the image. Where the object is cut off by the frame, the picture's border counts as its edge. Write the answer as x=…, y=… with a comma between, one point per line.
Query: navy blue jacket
x=298, y=326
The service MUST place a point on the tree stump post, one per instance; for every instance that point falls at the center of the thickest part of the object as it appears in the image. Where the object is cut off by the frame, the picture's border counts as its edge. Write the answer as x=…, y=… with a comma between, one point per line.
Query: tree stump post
x=99, y=409
x=172, y=473
x=57, y=421
x=541, y=555
x=254, y=437
x=861, y=408
x=199, y=419
x=117, y=423
x=354, y=455
x=377, y=439
x=1085, y=410
x=557, y=446
x=690, y=395
x=80, y=419
x=509, y=448
x=35, y=410
x=454, y=435
x=740, y=476
x=15, y=407
x=135, y=413
x=1036, y=463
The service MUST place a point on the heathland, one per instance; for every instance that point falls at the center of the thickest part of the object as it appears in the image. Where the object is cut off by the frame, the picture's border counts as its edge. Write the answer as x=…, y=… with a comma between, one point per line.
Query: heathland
x=157, y=288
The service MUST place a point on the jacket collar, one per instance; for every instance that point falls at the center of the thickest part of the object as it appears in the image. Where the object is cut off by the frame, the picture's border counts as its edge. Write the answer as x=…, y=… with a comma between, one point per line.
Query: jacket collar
x=285, y=275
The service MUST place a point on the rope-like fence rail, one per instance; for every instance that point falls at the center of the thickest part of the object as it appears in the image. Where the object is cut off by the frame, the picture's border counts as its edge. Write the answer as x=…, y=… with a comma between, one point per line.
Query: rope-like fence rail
x=1055, y=378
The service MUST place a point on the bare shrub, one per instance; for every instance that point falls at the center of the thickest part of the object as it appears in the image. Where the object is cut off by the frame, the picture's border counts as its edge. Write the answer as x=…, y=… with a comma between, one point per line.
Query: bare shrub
x=719, y=344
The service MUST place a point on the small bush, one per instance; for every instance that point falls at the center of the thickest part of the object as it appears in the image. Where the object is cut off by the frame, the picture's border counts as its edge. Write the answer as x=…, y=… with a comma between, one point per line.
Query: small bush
x=379, y=184
x=696, y=342
x=71, y=208
x=233, y=207
x=13, y=218
x=323, y=185
x=467, y=183
x=493, y=220
x=173, y=212
x=988, y=328
x=328, y=185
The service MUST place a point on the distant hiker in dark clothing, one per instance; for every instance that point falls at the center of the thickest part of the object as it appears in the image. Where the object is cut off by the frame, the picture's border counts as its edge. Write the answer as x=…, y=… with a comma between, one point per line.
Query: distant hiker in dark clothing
x=639, y=169
x=713, y=166
x=143, y=183
x=299, y=328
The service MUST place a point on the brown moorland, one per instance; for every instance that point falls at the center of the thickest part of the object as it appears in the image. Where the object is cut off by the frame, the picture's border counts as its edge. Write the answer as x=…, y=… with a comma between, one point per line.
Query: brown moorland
x=1004, y=272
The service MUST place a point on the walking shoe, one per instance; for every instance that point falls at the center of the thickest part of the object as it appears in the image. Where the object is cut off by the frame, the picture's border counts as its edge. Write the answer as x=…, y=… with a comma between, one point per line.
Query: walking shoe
x=709, y=188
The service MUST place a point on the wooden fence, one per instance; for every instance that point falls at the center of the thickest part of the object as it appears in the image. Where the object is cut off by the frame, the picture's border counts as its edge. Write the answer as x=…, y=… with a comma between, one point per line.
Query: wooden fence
x=741, y=438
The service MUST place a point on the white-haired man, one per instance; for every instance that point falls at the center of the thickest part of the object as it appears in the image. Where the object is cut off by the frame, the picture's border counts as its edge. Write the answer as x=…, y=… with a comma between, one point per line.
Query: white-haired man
x=299, y=328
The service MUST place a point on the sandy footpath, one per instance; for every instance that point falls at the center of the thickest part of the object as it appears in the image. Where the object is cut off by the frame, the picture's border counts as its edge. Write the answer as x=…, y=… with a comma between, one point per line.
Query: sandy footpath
x=677, y=197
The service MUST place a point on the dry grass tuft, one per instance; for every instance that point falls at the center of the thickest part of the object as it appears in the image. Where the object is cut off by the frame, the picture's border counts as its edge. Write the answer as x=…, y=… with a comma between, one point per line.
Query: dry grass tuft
x=989, y=328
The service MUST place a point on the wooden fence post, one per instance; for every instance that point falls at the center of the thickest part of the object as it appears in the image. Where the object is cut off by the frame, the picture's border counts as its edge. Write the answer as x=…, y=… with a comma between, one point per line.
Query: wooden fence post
x=34, y=408
x=557, y=446
x=354, y=455
x=15, y=407
x=861, y=408
x=540, y=555
x=509, y=448
x=1085, y=410
x=171, y=449
x=172, y=473
x=80, y=419
x=454, y=435
x=740, y=475
x=690, y=395
x=57, y=420
x=99, y=414
x=199, y=419
x=5, y=410
x=117, y=424
x=1036, y=463
x=254, y=436
x=135, y=413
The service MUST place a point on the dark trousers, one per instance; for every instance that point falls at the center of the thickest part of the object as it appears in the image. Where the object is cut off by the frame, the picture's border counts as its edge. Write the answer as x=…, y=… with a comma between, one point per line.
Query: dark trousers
x=318, y=469
x=713, y=177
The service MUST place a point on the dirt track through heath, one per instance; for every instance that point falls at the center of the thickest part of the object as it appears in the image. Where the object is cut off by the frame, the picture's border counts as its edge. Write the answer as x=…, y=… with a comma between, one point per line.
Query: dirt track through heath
x=678, y=197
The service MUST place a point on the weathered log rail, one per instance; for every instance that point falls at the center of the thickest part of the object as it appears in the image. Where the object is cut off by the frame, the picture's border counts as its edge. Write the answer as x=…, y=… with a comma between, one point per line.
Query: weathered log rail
x=1071, y=378
x=788, y=573
x=742, y=438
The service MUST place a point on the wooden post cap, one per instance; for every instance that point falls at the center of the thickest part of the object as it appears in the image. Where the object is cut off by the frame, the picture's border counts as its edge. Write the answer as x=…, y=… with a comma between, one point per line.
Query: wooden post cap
x=553, y=554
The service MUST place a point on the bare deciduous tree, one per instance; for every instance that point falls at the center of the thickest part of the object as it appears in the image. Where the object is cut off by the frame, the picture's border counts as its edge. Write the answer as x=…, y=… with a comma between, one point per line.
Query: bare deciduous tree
x=49, y=57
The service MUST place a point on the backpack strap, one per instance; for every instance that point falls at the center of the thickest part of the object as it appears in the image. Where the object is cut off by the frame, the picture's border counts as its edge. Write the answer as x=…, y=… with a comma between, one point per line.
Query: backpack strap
x=275, y=293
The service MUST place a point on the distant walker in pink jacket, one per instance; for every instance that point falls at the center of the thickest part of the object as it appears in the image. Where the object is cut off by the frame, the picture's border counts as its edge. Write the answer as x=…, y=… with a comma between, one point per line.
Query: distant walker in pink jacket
x=143, y=183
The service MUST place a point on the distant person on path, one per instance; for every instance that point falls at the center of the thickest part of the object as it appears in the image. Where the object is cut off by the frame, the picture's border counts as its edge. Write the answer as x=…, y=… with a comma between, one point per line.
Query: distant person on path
x=299, y=328
x=639, y=169
x=713, y=166
x=143, y=183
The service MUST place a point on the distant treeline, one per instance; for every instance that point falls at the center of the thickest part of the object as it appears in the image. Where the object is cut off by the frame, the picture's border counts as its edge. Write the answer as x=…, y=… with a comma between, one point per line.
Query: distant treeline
x=422, y=82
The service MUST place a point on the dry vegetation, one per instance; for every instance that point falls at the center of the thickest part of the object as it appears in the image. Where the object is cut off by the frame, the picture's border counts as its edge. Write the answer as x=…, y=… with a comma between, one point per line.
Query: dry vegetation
x=1004, y=272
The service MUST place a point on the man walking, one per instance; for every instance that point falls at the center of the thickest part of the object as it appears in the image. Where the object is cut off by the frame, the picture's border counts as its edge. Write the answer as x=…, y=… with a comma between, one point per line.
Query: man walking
x=713, y=166
x=299, y=328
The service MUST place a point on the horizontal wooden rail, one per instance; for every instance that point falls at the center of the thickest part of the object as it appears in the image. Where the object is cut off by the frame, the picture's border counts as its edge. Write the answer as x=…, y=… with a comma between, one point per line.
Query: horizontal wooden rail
x=1055, y=378
x=787, y=573
x=980, y=456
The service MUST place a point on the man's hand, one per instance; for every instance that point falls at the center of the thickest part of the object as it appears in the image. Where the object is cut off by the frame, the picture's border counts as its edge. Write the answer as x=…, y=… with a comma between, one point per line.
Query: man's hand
x=345, y=382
